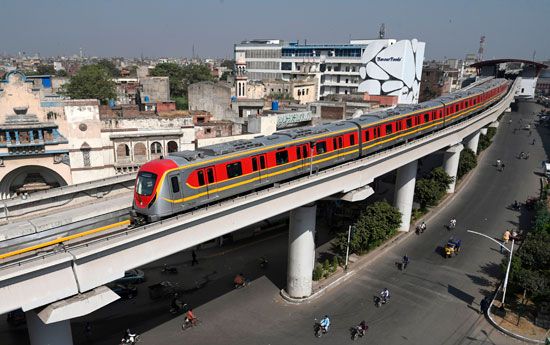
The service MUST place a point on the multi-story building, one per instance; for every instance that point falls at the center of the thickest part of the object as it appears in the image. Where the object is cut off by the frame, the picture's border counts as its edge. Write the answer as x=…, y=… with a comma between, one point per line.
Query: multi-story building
x=378, y=67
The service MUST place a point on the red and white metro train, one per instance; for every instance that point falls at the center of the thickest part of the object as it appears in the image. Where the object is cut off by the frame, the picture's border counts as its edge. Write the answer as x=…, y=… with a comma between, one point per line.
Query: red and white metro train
x=189, y=179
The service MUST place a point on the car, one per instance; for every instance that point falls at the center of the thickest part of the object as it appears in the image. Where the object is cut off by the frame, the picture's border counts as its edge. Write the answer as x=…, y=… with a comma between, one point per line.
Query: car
x=125, y=291
x=134, y=276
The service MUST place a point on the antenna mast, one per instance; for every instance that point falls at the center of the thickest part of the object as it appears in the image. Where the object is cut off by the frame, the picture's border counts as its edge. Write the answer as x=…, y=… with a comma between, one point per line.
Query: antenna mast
x=382, y=31
x=481, y=48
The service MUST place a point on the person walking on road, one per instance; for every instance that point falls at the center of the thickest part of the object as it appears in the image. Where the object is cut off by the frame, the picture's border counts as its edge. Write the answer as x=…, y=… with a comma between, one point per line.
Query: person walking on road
x=505, y=239
x=484, y=305
x=194, y=258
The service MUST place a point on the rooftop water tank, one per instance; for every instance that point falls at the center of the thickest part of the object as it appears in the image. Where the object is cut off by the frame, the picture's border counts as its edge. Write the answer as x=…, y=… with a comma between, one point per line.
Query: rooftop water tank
x=275, y=105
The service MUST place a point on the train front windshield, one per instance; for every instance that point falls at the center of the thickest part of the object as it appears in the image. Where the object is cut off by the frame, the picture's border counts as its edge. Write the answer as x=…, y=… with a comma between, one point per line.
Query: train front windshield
x=145, y=183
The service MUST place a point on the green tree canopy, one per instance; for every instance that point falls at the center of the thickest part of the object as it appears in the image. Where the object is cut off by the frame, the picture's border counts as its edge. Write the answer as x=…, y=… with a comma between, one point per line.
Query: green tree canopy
x=229, y=64
x=427, y=192
x=467, y=162
x=109, y=67
x=92, y=81
x=377, y=223
x=180, y=77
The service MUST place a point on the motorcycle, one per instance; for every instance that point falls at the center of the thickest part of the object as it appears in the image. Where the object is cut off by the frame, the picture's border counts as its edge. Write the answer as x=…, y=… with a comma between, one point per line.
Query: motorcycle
x=188, y=324
x=318, y=330
x=169, y=270
x=378, y=301
x=136, y=339
x=239, y=283
x=358, y=332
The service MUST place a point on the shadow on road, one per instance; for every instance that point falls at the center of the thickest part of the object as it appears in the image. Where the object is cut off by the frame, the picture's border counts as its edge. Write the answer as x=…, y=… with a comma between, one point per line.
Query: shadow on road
x=461, y=295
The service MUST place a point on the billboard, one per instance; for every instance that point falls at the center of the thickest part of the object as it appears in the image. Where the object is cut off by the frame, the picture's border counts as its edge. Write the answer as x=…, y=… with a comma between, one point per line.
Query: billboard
x=393, y=70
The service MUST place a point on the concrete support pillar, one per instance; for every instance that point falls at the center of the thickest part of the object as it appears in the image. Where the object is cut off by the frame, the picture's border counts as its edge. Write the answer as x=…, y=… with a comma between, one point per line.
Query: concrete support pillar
x=404, y=192
x=483, y=131
x=301, y=251
x=472, y=141
x=58, y=333
x=450, y=164
x=494, y=124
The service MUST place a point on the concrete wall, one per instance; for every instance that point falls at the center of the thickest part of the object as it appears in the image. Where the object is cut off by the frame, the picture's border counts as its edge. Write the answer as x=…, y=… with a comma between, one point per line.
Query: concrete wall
x=157, y=88
x=211, y=97
x=265, y=125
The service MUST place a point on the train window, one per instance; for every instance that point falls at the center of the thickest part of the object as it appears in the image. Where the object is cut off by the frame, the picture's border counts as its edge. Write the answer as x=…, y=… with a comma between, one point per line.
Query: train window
x=145, y=183
x=200, y=177
x=409, y=122
x=366, y=136
x=388, y=129
x=305, y=151
x=351, y=140
x=426, y=117
x=340, y=142
x=281, y=157
x=376, y=132
x=298, y=153
x=254, y=164
x=262, y=162
x=175, y=184
x=234, y=169
x=456, y=108
x=321, y=147
x=334, y=144
x=210, y=175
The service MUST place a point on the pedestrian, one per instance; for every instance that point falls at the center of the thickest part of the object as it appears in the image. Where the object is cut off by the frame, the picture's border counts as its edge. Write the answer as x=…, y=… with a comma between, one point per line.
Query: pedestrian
x=505, y=239
x=534, y=141
x=530, y=132
x=484, y=305
x=194, y=256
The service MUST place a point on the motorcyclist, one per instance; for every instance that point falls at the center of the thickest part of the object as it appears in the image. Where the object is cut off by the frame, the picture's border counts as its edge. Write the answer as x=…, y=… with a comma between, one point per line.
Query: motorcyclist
x=239, y=280
x=325, y=323
x=516, y=205
x=405, y=261
x=385, y=295
x=190, y=317
x=452, y=223
x=422, y=226
x=129, y=337
x=362, y=328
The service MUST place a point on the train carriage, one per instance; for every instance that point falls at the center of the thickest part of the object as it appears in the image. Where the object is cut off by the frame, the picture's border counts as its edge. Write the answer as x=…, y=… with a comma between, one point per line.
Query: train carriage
x=190, y=179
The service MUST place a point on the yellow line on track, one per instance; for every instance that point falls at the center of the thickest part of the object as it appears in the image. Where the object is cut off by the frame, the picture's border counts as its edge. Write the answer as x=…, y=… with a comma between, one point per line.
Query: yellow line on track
x=63, y=239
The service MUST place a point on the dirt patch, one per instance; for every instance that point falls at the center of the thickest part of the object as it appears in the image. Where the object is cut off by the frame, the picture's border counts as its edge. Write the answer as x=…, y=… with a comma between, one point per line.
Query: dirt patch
x=518, y=319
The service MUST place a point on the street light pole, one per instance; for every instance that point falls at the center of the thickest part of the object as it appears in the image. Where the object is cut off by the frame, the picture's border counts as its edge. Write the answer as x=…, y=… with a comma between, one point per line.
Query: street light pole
x=511, y=250
x=347, y=248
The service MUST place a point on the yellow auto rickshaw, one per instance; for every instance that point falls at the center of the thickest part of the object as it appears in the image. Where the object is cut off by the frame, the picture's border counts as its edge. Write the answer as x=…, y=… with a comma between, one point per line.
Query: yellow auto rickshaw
x=451, y=247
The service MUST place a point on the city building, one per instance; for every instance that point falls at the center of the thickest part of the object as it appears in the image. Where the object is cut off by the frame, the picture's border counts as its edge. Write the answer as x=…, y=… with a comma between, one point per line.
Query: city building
x=381, y=67
x=47, y=140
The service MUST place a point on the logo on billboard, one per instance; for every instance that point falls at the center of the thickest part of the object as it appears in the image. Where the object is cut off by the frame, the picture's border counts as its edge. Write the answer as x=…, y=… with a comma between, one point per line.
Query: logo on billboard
x=388, y=59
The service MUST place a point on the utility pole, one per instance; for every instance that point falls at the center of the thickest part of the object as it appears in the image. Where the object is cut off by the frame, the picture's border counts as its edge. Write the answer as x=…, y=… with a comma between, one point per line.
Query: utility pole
x=510, y=251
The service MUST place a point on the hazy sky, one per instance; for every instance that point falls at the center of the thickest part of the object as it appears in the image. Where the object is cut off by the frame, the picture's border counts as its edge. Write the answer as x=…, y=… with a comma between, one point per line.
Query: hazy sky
x=513, y=28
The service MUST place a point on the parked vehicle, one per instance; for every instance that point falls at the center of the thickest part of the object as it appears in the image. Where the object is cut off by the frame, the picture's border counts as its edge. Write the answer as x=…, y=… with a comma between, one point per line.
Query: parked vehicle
x=125, y=291
x=134, y=276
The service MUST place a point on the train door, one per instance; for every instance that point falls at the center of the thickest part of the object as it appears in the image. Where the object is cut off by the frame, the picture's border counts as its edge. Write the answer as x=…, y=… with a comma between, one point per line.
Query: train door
x=210, y=179
x=302, y=155
x=176, y=192
x=259, y=164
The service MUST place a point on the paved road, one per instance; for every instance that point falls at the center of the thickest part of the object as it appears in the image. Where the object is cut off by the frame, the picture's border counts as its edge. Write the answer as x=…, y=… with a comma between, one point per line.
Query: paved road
x=434, y=302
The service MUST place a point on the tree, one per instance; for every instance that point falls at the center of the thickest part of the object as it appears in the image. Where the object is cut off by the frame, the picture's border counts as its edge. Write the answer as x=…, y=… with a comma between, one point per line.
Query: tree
x=196, y=73
x=61, y=73
x=442, y=179
x=92, y=81
x=225, y=75
x=229, y=64
x=175, y=74
x=110, y=67
x=467, y=162
x=377, y=223
x=427, y=192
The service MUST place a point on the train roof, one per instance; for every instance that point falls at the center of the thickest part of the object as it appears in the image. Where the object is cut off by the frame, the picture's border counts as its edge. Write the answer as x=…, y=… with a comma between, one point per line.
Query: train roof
x=281, y=137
